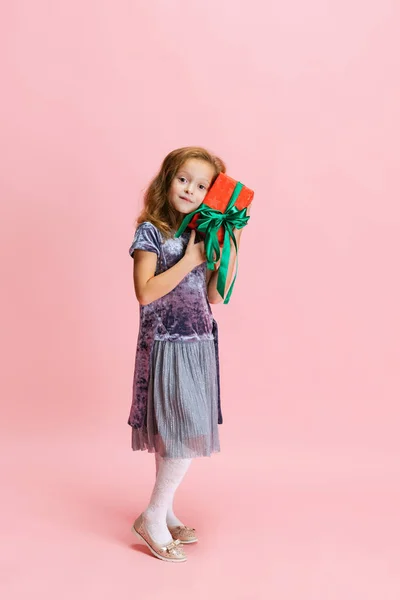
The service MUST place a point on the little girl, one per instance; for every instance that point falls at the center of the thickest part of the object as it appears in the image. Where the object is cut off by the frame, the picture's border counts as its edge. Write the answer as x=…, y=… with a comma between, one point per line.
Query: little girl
x=176, y=405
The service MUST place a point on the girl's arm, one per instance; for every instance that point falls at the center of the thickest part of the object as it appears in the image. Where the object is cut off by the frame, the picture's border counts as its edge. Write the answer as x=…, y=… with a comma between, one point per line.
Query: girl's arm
x=212, y=276
x=150, y=287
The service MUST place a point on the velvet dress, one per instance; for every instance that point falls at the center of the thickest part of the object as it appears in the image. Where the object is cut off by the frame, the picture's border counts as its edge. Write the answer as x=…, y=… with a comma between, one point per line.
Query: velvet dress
x=176, y=406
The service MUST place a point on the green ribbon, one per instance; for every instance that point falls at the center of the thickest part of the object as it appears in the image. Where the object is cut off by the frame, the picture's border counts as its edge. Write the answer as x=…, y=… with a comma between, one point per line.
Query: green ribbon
x=209, y=222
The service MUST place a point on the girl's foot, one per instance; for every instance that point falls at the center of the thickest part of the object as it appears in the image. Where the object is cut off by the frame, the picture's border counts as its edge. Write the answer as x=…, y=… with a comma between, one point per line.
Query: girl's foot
x=172, y=520
x=186, y=535
x=178, y=530
x=156, y=527
x=170, y=552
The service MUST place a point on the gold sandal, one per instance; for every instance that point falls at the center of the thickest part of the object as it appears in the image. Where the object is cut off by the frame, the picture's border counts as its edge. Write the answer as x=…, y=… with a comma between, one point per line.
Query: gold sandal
x=186, y=535
x=170, y=552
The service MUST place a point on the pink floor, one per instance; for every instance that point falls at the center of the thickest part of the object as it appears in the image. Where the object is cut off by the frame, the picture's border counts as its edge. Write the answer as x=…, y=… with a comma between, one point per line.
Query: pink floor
x=292, y=524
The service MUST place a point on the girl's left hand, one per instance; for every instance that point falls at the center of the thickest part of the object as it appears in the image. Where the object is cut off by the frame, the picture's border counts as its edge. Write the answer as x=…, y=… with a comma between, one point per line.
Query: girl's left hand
x=216, y=265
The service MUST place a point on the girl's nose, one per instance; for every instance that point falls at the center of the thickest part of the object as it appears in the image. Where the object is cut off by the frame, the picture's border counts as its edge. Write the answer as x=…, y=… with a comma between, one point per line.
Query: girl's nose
x=189, y=188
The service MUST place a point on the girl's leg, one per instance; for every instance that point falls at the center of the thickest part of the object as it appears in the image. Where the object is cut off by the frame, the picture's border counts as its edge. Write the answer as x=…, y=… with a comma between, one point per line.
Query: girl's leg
x=172, y=520
x=170, y=474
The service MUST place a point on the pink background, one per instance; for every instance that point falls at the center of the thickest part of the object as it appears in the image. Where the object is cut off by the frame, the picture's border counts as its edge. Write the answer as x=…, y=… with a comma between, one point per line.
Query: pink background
x=302, y=101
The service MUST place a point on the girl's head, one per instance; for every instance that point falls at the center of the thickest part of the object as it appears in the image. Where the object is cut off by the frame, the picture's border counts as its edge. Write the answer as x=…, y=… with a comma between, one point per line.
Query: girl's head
x=179, y=188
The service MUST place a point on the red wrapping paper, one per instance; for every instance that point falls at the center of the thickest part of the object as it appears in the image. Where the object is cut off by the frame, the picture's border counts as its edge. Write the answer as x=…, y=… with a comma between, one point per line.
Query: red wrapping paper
x=219, y=195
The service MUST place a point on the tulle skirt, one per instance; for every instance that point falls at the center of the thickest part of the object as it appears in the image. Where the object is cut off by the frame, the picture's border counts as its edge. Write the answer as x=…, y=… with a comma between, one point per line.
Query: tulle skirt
x=182, y=409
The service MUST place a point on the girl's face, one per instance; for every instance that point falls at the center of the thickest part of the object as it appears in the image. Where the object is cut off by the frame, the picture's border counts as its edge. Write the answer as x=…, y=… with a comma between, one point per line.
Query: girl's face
x=190, y=185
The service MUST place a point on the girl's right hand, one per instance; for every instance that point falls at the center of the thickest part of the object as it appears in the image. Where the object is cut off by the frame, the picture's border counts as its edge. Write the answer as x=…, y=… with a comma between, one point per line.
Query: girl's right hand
x=195, y=253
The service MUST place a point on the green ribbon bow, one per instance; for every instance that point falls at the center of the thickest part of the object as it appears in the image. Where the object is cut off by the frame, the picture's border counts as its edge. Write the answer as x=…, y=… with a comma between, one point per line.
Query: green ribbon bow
x=209, y=222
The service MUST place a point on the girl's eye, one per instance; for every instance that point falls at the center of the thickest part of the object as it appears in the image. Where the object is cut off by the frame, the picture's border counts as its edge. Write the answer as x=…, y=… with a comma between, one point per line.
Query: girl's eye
x=202, y=187
x=182, y=179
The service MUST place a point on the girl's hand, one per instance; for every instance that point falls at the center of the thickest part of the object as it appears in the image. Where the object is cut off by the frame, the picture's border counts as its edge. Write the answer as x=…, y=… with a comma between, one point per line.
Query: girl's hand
x=195, y=253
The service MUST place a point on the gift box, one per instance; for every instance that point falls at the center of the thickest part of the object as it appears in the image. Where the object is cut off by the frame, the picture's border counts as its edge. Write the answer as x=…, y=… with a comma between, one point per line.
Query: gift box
x=222, y=211
x=218, y=197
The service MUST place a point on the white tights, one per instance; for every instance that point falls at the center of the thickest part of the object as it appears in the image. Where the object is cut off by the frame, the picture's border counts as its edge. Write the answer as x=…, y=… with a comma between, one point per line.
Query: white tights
x=159, y=513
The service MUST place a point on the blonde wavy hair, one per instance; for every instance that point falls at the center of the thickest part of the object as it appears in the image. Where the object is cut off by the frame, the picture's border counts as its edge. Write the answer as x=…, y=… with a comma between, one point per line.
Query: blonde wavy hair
x=157, y=208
